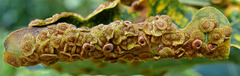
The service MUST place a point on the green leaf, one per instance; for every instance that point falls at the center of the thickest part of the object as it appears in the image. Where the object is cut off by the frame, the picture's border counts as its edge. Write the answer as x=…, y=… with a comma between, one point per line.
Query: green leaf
x=104, y=14
x=180, y=13
x=235, y=40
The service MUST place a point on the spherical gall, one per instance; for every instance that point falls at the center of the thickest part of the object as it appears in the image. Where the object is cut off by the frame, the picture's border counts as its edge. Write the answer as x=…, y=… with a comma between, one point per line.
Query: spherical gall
x=212, y=47
x=88, y=47
x=108, y=48
x=197, y=44
x=141, y=41
x=127, y=23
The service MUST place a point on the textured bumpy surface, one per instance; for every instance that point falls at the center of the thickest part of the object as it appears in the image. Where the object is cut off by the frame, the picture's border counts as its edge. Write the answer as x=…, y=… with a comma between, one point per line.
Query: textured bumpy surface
x=154, y=39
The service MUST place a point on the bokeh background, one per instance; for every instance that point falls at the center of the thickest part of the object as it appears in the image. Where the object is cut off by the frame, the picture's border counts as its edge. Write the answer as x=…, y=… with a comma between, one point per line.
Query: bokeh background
x=16, y=14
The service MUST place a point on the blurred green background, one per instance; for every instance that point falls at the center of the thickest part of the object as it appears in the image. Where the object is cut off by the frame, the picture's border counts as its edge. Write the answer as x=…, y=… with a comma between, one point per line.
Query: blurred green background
x=16, y=14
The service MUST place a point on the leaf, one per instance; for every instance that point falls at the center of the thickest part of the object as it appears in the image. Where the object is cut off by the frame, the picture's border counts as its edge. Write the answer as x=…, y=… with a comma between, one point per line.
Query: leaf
x=164, y=64
x=93, y=19
x=180, y=14
x=104, y=14
x=209, y=12
x=235, y=41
